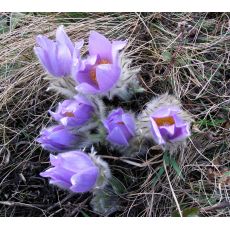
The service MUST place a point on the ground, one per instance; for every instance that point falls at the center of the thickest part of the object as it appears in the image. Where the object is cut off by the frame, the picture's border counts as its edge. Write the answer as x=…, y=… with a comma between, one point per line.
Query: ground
x=185, y=54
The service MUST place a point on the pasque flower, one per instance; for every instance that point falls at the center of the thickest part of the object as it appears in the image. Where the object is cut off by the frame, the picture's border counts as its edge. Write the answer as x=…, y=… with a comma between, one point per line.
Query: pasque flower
x=73, y=112
x=101, y=70
x=165, y=121
x=120, y=127
x=168, y=126
x=57, y=138
x=73, y=170
x=57, y=56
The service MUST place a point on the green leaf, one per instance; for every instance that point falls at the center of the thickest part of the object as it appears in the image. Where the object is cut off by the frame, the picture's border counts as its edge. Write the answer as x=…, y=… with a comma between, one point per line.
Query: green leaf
x=167, y=56
x=187, y=212
x=84, y=214
x=227, y=173
x=176, y=168
x=166, y=158
x=211, y=123
x=117, y=185
x=190, y=212
x=158, y=175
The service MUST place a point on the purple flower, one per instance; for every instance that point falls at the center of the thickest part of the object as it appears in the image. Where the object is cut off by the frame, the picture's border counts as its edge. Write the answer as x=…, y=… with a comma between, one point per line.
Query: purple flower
x=101, y=70
x=73, y=112
x=73, y=170
x=120, y=127
x=57, y=138
x=168, y=126
x=57, y=56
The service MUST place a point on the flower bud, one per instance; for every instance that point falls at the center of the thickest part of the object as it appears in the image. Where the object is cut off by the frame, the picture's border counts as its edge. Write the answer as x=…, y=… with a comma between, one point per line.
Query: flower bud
x=120, y=127
x=57, y=138
x=73, y=112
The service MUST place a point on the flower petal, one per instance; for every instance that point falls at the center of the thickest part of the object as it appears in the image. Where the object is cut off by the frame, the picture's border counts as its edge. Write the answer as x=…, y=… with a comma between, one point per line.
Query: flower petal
x=116, y=136
x=107, y=76
x=156, y=133
x=44, y=42
x=85, y=180
x=62, y=137
x=129, y=123
x=86, y=88
x=44, y=59
x=58, y=173
x=64, y=59
x=181, y=133
x=62, y=38
x=75, y=160
x=100, y=45
x=167, y=131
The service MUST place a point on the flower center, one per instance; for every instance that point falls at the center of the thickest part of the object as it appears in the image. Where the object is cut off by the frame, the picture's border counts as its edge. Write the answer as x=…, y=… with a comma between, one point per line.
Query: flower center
x=164, y=121
x=103, y=61
x=92, y=72
x=69, y=114
x=120, y=123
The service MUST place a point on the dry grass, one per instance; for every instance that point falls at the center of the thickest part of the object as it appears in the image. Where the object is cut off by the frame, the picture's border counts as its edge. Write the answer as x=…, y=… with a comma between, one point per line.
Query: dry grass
x=186, y=54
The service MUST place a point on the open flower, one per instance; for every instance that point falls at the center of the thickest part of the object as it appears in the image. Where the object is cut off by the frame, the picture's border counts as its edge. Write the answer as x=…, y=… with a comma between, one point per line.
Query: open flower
x=164, y=121
x=168, y=126
x=57, y=56
x=57, y=138
x=73, y=170
x=73, y=112
x=120, y=127
x=101, y=70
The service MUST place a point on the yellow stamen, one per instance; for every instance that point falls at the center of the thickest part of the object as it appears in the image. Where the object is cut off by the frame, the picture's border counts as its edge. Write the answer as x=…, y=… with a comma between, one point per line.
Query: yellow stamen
x=103, y=61
x=164, y=121
x=69, y=114
x=92, y=72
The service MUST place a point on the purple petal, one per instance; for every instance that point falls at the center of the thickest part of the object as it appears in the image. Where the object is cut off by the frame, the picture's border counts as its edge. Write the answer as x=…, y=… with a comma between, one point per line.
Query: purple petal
x=157, y=137
x=87, y=88
x=167, y=131
x=100, y=45
x=62, y=38
x=75, y=161
x=76, y=59
x=107, y=76
x=50, y=51
x=64, y=60
x=44, y=42
x=181, y=133
x=56, y=115
x=62, y=137
x=85, y=180
x=84, y=77
x=116, y=136
x=54, y=160
x=68, y=121
x=44, y=59
x=129, y=122
x=58, y=173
